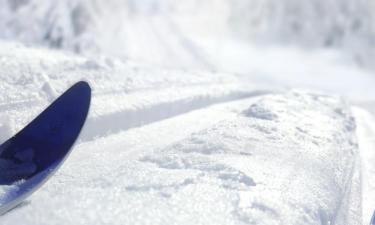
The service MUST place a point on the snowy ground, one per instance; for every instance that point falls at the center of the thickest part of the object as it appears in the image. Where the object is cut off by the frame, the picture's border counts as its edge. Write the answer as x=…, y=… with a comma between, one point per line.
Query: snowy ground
x=186, y=126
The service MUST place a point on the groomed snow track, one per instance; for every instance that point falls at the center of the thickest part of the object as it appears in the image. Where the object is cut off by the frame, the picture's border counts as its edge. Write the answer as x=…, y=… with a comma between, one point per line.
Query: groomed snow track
x=182, y=145
x=217, y=148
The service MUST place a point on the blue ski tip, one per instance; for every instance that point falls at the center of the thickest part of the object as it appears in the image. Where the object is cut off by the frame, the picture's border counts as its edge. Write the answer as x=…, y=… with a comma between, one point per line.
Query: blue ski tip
x=41, y=147
x=373, y=219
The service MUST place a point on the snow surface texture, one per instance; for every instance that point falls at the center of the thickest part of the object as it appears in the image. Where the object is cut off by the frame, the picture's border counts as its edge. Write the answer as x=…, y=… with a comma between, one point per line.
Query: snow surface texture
x=185, y=125
x=31, y=78
x=227, y=173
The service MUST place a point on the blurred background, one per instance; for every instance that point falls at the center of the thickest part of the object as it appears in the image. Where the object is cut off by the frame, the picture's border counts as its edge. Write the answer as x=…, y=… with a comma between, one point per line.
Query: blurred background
x=278, y=40
x=125, y=28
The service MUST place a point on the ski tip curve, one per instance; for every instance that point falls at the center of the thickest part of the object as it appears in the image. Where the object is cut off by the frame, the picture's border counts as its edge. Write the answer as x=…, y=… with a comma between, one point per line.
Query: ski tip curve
x=32, y=155
x=83, y=87
x=52, y=133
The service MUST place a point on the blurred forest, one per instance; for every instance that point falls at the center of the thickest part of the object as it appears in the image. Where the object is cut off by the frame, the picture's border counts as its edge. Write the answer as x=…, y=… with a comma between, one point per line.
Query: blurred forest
x=95, y=25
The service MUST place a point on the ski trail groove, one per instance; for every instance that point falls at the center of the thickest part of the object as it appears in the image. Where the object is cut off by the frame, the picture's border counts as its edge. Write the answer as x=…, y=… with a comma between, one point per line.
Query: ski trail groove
x=105, y=125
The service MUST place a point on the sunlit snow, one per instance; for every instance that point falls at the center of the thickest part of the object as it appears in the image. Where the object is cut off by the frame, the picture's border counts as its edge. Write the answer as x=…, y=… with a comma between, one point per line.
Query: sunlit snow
x=203, y=112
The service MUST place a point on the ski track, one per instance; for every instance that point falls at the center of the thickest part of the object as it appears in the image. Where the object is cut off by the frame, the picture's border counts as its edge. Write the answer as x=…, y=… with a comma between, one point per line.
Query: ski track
x=122, y=149
x=157, y=123
x=137, y=95
x=107, y=123
x=171, y=150
x=142, y=105
x=115, y=122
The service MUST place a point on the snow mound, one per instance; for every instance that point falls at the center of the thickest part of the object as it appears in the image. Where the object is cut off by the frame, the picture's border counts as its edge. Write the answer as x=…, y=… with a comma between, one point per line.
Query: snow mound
x=276, y=163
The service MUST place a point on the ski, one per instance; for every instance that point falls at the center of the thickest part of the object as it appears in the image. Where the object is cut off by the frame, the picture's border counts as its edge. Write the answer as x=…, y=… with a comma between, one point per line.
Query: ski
x=31, y=156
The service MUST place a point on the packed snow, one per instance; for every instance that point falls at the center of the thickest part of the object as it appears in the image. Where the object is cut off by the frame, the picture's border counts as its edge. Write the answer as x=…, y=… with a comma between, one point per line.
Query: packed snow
x=202, y=113
x=223, y=170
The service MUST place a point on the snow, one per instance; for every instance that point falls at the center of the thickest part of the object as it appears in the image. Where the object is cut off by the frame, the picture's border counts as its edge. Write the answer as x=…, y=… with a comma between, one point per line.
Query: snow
x=202, y=113
x=218, y=170
x=88, y=26
x=366, y=142
x=244, y=154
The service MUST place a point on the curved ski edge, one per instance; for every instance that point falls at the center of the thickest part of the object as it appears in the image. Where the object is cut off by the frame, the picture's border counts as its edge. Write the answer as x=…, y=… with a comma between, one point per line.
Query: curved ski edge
x=78, y=97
